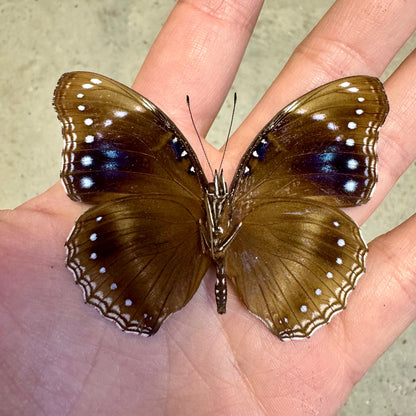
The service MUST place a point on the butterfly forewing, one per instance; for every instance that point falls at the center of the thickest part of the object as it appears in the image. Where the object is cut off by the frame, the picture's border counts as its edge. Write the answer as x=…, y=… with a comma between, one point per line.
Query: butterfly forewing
x=322, y=146
x=118, y=143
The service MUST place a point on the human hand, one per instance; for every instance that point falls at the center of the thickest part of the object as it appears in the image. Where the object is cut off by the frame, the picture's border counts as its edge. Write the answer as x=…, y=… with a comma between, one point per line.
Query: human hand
x=200, y=362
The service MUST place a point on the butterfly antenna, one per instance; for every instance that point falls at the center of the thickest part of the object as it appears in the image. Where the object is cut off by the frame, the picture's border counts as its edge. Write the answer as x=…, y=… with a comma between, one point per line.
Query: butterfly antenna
x=199, y=137
x=229, y=131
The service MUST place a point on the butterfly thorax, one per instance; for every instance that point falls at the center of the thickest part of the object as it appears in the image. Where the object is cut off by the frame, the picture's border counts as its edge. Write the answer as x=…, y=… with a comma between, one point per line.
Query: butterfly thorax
x=217, y=232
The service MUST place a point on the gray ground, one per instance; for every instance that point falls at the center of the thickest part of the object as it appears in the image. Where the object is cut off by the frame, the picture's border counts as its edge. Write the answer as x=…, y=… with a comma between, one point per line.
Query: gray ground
x=41, y=39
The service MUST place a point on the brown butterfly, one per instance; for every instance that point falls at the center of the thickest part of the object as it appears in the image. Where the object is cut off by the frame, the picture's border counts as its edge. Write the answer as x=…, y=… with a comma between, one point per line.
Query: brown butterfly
x=277, y=233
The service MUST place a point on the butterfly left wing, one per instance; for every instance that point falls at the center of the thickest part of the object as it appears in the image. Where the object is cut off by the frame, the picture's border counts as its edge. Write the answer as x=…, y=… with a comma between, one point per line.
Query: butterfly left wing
x=137, y=253
x=138, y=259
x=296, y=256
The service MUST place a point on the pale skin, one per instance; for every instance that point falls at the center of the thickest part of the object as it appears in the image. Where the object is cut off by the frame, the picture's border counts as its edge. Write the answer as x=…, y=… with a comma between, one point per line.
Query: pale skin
x=59, y=356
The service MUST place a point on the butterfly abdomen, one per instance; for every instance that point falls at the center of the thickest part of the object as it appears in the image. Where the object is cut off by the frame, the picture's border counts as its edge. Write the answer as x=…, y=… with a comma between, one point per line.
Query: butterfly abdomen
x=221, y=289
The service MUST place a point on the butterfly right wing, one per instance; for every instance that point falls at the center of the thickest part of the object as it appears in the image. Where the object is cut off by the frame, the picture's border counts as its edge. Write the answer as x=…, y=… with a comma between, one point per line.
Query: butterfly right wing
x=320, y=146
x=296, y=256
x=138, y=259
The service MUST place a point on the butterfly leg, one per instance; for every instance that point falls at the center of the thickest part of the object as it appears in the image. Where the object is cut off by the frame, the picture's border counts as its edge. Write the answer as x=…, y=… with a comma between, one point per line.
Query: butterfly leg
x=206, y=241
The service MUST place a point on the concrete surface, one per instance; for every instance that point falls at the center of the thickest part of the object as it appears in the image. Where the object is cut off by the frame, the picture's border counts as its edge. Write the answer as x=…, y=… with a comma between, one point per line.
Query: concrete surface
x=42, y=39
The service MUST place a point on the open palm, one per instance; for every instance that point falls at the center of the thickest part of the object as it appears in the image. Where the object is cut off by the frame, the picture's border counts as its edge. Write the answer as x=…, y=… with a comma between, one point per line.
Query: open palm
x=63, y=358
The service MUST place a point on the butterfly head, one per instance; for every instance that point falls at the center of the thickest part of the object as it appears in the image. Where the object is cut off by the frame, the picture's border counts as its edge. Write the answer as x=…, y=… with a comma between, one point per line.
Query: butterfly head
x=218, y=188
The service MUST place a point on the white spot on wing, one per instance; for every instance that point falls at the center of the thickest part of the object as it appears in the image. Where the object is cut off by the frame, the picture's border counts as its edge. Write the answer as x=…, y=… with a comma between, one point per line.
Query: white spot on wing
x=86, y=160
x=332, y=126
x=95, y=81
x=89, y=138
x=93, y=236
x=352, y=164
x=128, y=302
x=88, y=121
x=102, y=270
x=86, y=182
x=341, y=242
x=352, y=125
x=119, y=113
x=345, y=84
x=87, y=86
x=319, y=116
x=350, y=186
x=350, y=142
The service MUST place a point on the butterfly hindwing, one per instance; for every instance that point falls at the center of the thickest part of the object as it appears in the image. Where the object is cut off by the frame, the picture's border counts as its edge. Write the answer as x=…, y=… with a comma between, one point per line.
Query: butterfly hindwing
x=118, y=143
x=133, y=260
x=293, y=263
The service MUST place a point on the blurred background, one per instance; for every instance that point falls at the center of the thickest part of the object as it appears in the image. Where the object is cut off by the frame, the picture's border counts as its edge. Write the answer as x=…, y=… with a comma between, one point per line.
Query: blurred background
x=40, y=40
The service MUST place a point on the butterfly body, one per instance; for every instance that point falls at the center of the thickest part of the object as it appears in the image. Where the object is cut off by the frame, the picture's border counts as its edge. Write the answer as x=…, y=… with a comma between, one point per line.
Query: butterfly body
x=217, y=233
x=277, y=234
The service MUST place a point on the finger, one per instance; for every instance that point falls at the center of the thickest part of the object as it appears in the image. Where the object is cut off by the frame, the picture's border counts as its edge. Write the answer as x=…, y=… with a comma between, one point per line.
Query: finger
x=340, y=46
x=54, y=201
x=384, y=303
x=354, y=37
x=197, y=53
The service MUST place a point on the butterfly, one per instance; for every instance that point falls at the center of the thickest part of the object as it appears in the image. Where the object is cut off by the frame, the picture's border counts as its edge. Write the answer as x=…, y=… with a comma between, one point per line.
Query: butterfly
x=156, y=224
